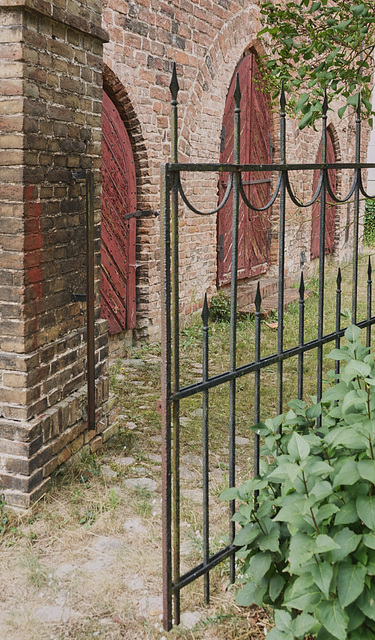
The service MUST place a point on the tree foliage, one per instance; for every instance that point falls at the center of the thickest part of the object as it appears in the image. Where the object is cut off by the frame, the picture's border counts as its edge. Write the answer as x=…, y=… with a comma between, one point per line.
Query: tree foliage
x=320, y=45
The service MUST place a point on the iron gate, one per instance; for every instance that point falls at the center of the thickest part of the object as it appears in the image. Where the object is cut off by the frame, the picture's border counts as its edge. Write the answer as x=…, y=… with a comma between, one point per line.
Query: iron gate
x=172, y=390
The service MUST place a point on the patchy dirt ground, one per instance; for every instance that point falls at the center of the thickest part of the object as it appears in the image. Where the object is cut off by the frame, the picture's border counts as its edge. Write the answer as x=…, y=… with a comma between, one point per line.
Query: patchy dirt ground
x=85, y=562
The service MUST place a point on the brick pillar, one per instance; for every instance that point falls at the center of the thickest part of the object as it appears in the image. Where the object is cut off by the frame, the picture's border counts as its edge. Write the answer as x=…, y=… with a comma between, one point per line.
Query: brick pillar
x=50, y=127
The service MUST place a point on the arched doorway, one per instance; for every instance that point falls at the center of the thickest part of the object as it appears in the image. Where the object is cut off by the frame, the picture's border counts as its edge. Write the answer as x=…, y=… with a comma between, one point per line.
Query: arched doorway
x=330, y=206
x=118, y=303
x=256, y=148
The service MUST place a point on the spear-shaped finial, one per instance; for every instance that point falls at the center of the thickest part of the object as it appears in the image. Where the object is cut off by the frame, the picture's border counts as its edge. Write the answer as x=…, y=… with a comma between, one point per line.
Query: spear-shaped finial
x=325, y=103
x=302, y=287
x=369, y=268
x=237, y=93
x=282, y=97
x=258, y=299
x=205, y=311
x=359, y=106
x=338, y=281
x=174, y=87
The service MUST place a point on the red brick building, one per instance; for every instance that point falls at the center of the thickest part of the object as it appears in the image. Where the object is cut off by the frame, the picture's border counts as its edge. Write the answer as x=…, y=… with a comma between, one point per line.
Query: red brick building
x=207, y=39
x=52, y=76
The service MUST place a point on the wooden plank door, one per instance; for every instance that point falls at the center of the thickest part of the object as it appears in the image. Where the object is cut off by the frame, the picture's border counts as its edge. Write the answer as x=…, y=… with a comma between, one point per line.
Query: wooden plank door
x=330, y=207
x=118, y=303
x=253, y=233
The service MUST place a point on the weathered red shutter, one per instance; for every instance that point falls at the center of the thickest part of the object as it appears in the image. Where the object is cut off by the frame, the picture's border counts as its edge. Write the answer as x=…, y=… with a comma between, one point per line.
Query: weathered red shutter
x=330, y=207
x=253, y=233
x=118, y=236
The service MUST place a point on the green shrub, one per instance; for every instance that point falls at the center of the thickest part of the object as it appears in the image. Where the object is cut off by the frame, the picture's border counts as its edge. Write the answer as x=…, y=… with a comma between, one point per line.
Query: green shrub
x=369, y=223
x=220, y=307
x=308, y=532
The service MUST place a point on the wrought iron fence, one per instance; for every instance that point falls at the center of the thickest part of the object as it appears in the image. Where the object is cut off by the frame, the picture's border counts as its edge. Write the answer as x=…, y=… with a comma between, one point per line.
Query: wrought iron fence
x=172, y=390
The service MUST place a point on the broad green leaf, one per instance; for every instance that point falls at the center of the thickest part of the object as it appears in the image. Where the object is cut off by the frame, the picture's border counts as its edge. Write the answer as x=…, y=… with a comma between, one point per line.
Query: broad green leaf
x=339, y=354
x=276, y=585
x=321, y=490
x=353, y=332
x=284, y=471
x=276, y=634
x=333, y=618
x=346, y=437
x=319, y=468
x=347, y=475
x=341, y=111
x=306, y=601
x=270, y=542
x=229, y=494
x=366, y=603
x=366, y=470
x=356, y=617
x=350, y=581
x=283, y=620
x=354, y=401
x=370, y=563
x=322, y=575
x=298, y=447
x=314, y=412
x=347, y=514
x=325, y=512
x=259, y=564
x=303, y=624
x=369, y=540
x=249, y=594
x=358, y=368
x=247, y=534
x=324, y=543
x=303, y=99
x=365, y=506
x=348, y=541
x=302, y=548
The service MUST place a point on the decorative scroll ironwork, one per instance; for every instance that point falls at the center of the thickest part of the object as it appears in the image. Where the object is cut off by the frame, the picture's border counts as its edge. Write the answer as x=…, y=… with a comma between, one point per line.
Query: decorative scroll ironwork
x=173, y=392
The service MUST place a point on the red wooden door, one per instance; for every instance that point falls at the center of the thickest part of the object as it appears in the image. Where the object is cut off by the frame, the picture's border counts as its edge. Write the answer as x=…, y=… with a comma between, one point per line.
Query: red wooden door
x=118, y=236
x=254, y=227
x=330, y=207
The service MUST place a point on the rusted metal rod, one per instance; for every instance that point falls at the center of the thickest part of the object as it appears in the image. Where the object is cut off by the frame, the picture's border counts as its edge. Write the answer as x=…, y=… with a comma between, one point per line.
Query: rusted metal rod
x=90, y=299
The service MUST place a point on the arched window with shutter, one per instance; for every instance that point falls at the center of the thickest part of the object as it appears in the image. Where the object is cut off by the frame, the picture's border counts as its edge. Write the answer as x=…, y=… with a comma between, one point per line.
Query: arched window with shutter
x=256, y=148
x=118, y=302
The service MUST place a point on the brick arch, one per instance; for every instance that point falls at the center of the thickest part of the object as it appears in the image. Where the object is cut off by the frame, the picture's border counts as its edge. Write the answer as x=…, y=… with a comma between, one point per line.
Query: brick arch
x=118, y=94
x=215, y=71
x=120, y=97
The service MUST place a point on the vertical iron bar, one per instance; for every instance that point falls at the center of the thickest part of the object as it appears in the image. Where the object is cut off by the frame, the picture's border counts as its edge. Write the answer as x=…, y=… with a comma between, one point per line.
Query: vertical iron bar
x=322, y=254
x=280, y=305
x=257, y=301
x=338, y=318
x=233, y=314
x=90, y=297
x=301, y=334
x=165, y=401
x=206, y=523
x=356, y=213
x=174, y=88
x=369, y=301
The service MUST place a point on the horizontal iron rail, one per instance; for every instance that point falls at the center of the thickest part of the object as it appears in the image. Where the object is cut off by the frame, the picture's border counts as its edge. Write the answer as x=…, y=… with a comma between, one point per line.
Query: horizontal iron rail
x=236, y=168
x=227, y=376
x=202, y=568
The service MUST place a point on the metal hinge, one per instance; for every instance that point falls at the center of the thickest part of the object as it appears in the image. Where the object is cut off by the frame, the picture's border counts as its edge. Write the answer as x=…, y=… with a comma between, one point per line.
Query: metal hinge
x=142, y=213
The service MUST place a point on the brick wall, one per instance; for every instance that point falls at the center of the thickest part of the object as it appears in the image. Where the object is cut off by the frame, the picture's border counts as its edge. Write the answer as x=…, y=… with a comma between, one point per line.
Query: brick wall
x=206, y=38
x=50, y=128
